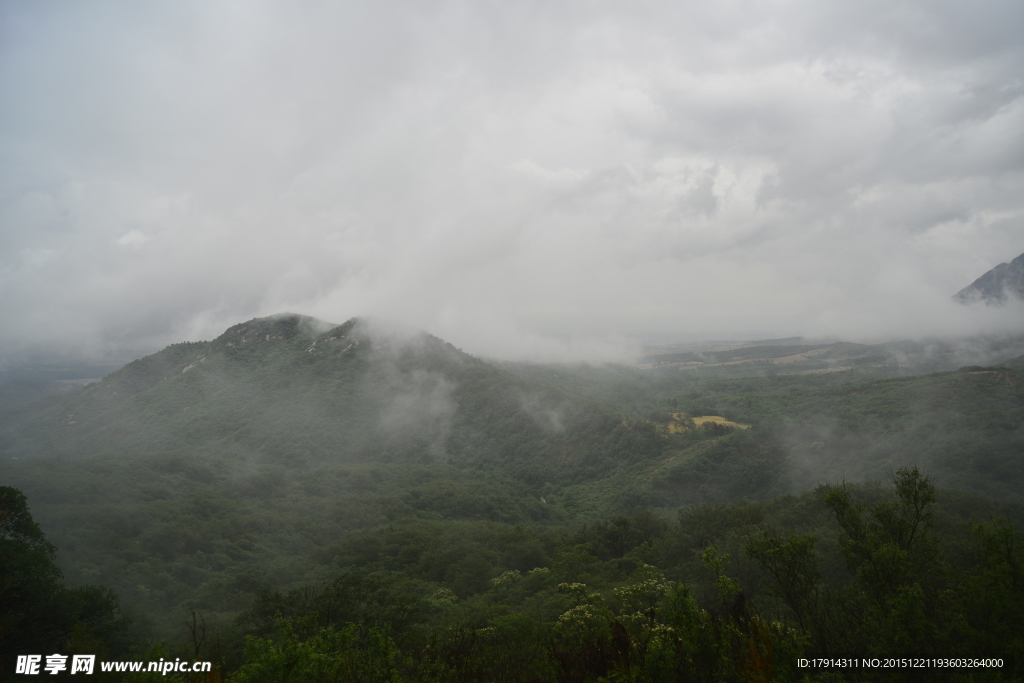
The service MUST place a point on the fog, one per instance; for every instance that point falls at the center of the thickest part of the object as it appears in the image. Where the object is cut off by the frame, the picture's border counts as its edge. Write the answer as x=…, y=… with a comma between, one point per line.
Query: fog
x=524, y=180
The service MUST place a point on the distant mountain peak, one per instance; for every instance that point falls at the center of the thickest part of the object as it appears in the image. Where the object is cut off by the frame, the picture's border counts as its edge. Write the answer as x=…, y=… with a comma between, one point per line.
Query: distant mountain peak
x=997, y=285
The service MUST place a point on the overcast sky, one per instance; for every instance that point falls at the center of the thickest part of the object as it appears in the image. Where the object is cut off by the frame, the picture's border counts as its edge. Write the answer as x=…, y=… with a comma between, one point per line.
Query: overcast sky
x=528, y=178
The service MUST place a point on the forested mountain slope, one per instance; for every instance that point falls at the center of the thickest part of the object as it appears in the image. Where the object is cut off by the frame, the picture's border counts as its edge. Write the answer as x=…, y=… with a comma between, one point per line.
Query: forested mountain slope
x=298, y=393
x=236, y=476
x=964, y=427
x=290, y=389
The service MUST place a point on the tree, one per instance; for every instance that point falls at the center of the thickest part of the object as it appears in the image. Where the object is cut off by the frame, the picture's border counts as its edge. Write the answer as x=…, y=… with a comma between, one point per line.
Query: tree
x=893, y=548
x=38, y=614
x=904, y=590
x=793, y=567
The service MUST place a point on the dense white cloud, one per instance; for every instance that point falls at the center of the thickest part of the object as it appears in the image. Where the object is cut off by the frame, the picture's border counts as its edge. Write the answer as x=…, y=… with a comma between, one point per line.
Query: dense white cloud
x=519, y=178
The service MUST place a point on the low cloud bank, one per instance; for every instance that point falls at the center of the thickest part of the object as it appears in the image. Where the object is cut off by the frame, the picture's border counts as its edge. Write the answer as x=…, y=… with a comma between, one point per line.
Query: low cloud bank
x=521, y=180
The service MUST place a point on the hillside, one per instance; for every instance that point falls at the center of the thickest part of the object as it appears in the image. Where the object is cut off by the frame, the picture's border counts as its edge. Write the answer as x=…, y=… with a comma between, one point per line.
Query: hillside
x=997, y=285
x=302, y=394
x=901, y=357
x=283, y=572
x=294, y=390
x=288, y=458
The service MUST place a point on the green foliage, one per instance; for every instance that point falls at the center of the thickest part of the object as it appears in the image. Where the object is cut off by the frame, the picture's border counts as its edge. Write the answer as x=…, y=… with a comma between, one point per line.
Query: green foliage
x=612, y=538
x=714, y=559
x=793, y=567
x=995, y=590
x=328, y=655
x=37, y=612
x=893, y=548
x=341, y=505
x=173, y=532
x=353, y=598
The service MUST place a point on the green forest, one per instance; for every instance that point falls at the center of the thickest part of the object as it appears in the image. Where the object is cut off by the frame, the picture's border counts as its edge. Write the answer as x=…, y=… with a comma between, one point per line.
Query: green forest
x=298, y=501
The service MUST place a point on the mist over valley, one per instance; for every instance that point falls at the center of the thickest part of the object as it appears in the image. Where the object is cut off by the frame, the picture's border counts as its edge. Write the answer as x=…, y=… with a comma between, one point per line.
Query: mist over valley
x=444, y=341
x=202, y=476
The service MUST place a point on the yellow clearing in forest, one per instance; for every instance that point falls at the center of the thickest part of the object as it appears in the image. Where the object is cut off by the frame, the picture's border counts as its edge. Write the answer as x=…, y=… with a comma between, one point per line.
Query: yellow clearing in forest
x=698, y=421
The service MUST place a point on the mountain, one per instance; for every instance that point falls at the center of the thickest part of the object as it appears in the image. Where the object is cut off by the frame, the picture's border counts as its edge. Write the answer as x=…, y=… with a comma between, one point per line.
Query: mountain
x=997, y=285
x=296, y=394
x=294, y=390
x=289, y=448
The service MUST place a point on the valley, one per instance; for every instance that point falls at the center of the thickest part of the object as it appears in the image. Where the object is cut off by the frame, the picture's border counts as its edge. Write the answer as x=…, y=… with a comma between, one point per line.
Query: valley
x=246, y=478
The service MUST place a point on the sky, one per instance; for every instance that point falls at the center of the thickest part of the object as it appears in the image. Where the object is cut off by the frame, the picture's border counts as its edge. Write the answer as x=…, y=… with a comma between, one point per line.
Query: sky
x=530, y=179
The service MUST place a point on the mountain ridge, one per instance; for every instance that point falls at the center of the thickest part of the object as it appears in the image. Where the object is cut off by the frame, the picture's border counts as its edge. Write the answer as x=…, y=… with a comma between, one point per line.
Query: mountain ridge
x=292, y=389
x=997, y=285
x=299, y=393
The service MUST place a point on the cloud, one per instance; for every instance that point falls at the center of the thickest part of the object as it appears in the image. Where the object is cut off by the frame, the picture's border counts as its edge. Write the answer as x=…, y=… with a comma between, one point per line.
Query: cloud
x=133, y=238
x=423, y=411
x=522, y=179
